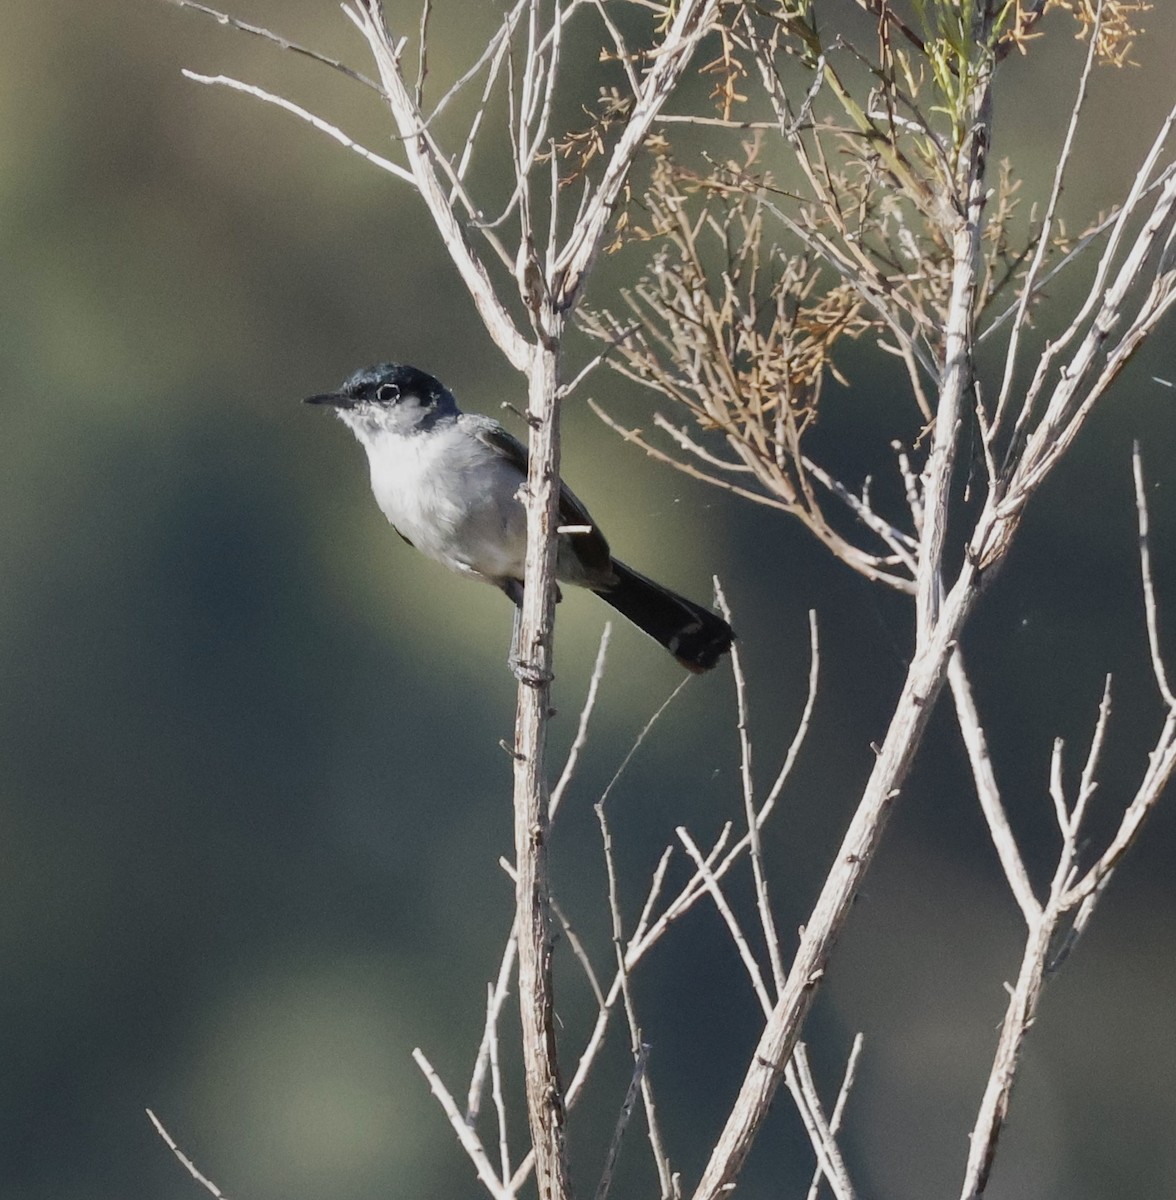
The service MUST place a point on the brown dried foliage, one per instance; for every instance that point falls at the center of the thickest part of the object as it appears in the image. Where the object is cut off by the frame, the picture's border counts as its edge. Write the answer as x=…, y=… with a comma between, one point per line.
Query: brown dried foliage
x=1115, y=28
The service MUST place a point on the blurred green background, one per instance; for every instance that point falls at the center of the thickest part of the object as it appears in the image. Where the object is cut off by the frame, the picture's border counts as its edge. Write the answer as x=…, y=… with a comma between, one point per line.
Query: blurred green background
x=252, y=794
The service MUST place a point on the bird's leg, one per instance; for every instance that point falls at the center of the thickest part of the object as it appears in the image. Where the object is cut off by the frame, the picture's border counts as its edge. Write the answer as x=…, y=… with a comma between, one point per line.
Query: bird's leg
x=522, y=670
x=514, y=658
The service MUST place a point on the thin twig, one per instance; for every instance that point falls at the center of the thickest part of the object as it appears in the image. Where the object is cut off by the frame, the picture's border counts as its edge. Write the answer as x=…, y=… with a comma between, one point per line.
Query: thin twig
x=755, y=851
x=646, y=729
x=332, y=131
x=422, y=53
x=614, y=1147
x=802, y=727
x=1149, y=596
x=580, y=951
x=470, y=1142
x=569, y=388
x=729, y=919
x=581, y=738
x=187, y=1163
x=988, y=792
x=496, y=1086
x=1088, y=782
x=847, y=1081
x=637, y=1042
x=482, y=1061
x=282, y=43
x=803, y=1089
x=1080, y=247
x=1030, y=282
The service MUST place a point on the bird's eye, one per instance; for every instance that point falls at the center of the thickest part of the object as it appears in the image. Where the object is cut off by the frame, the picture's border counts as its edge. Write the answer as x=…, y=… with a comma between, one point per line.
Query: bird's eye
x=388, y=392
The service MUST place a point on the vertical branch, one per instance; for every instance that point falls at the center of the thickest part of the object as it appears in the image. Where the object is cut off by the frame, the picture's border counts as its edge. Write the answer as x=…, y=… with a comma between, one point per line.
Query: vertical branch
x=755, y=851
x=551, y=292
x=637, y=1044
x=957, y=358
x=545, y=1096
x=1149, y=594
x=939, y=621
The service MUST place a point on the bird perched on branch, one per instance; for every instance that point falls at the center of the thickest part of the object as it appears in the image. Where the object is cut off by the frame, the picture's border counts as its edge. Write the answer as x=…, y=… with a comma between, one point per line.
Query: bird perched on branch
x=449, y=483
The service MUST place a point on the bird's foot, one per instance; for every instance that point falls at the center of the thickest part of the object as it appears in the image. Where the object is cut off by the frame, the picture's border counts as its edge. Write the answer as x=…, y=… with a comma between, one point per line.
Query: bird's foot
x=528, y=673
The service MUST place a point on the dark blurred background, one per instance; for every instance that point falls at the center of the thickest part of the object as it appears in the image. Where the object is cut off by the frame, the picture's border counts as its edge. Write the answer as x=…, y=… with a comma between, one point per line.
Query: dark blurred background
x=252, y=794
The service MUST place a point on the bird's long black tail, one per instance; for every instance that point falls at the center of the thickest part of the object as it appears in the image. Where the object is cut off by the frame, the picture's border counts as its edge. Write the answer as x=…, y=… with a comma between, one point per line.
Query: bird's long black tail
x=694, y=635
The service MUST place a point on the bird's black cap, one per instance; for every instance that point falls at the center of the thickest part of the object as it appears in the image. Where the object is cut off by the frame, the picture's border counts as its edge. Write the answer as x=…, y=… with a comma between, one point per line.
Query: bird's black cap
x=385, y=383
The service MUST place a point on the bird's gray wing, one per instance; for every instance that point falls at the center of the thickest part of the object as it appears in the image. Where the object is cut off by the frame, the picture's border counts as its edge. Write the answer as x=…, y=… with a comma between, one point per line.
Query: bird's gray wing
x=590, y=548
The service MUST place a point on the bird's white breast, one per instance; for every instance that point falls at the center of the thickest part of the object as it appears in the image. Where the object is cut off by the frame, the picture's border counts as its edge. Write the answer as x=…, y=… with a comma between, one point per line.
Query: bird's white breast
x=453, y=497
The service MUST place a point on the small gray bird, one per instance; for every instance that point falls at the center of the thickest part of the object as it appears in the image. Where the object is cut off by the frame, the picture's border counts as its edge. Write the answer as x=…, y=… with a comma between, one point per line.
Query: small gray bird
x=449, y=483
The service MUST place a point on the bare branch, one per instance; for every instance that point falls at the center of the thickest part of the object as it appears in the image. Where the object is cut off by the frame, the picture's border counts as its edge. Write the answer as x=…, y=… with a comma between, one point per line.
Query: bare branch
x=847, y=1082
x=1029, y=283
x=187, y=1163
x=924, y=679
x=623, y=53
x=581, y=738
x=496, y=54
x=1023, y=1000
x=496, y=1086
x=988, y=792
x=763, y=903
x=803, y=1089
x=332, y=131
x=596, y=1038
x=637, y=1043
x=501, y=987
x=1106, y=304
x=1080, y=247
x=282, y=43
x=1149, y=595
x=1163, y=762
x=470, y=1142
x=692, y=19
x=614, y=1148
x=729, y=918
x=1067, y=893
x=424, y=165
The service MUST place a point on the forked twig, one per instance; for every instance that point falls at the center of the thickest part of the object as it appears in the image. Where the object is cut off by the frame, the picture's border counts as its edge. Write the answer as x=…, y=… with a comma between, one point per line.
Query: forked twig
x=849, y=1075
x=466, y=1135
x=1073, y=892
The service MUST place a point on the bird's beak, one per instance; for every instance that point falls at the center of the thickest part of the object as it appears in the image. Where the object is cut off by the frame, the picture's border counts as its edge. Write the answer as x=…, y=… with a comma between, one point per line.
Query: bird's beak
x=334, y=399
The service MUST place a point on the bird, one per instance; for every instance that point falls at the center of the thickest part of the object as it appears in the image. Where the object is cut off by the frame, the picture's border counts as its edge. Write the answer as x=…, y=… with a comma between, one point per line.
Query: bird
x=451, y=484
